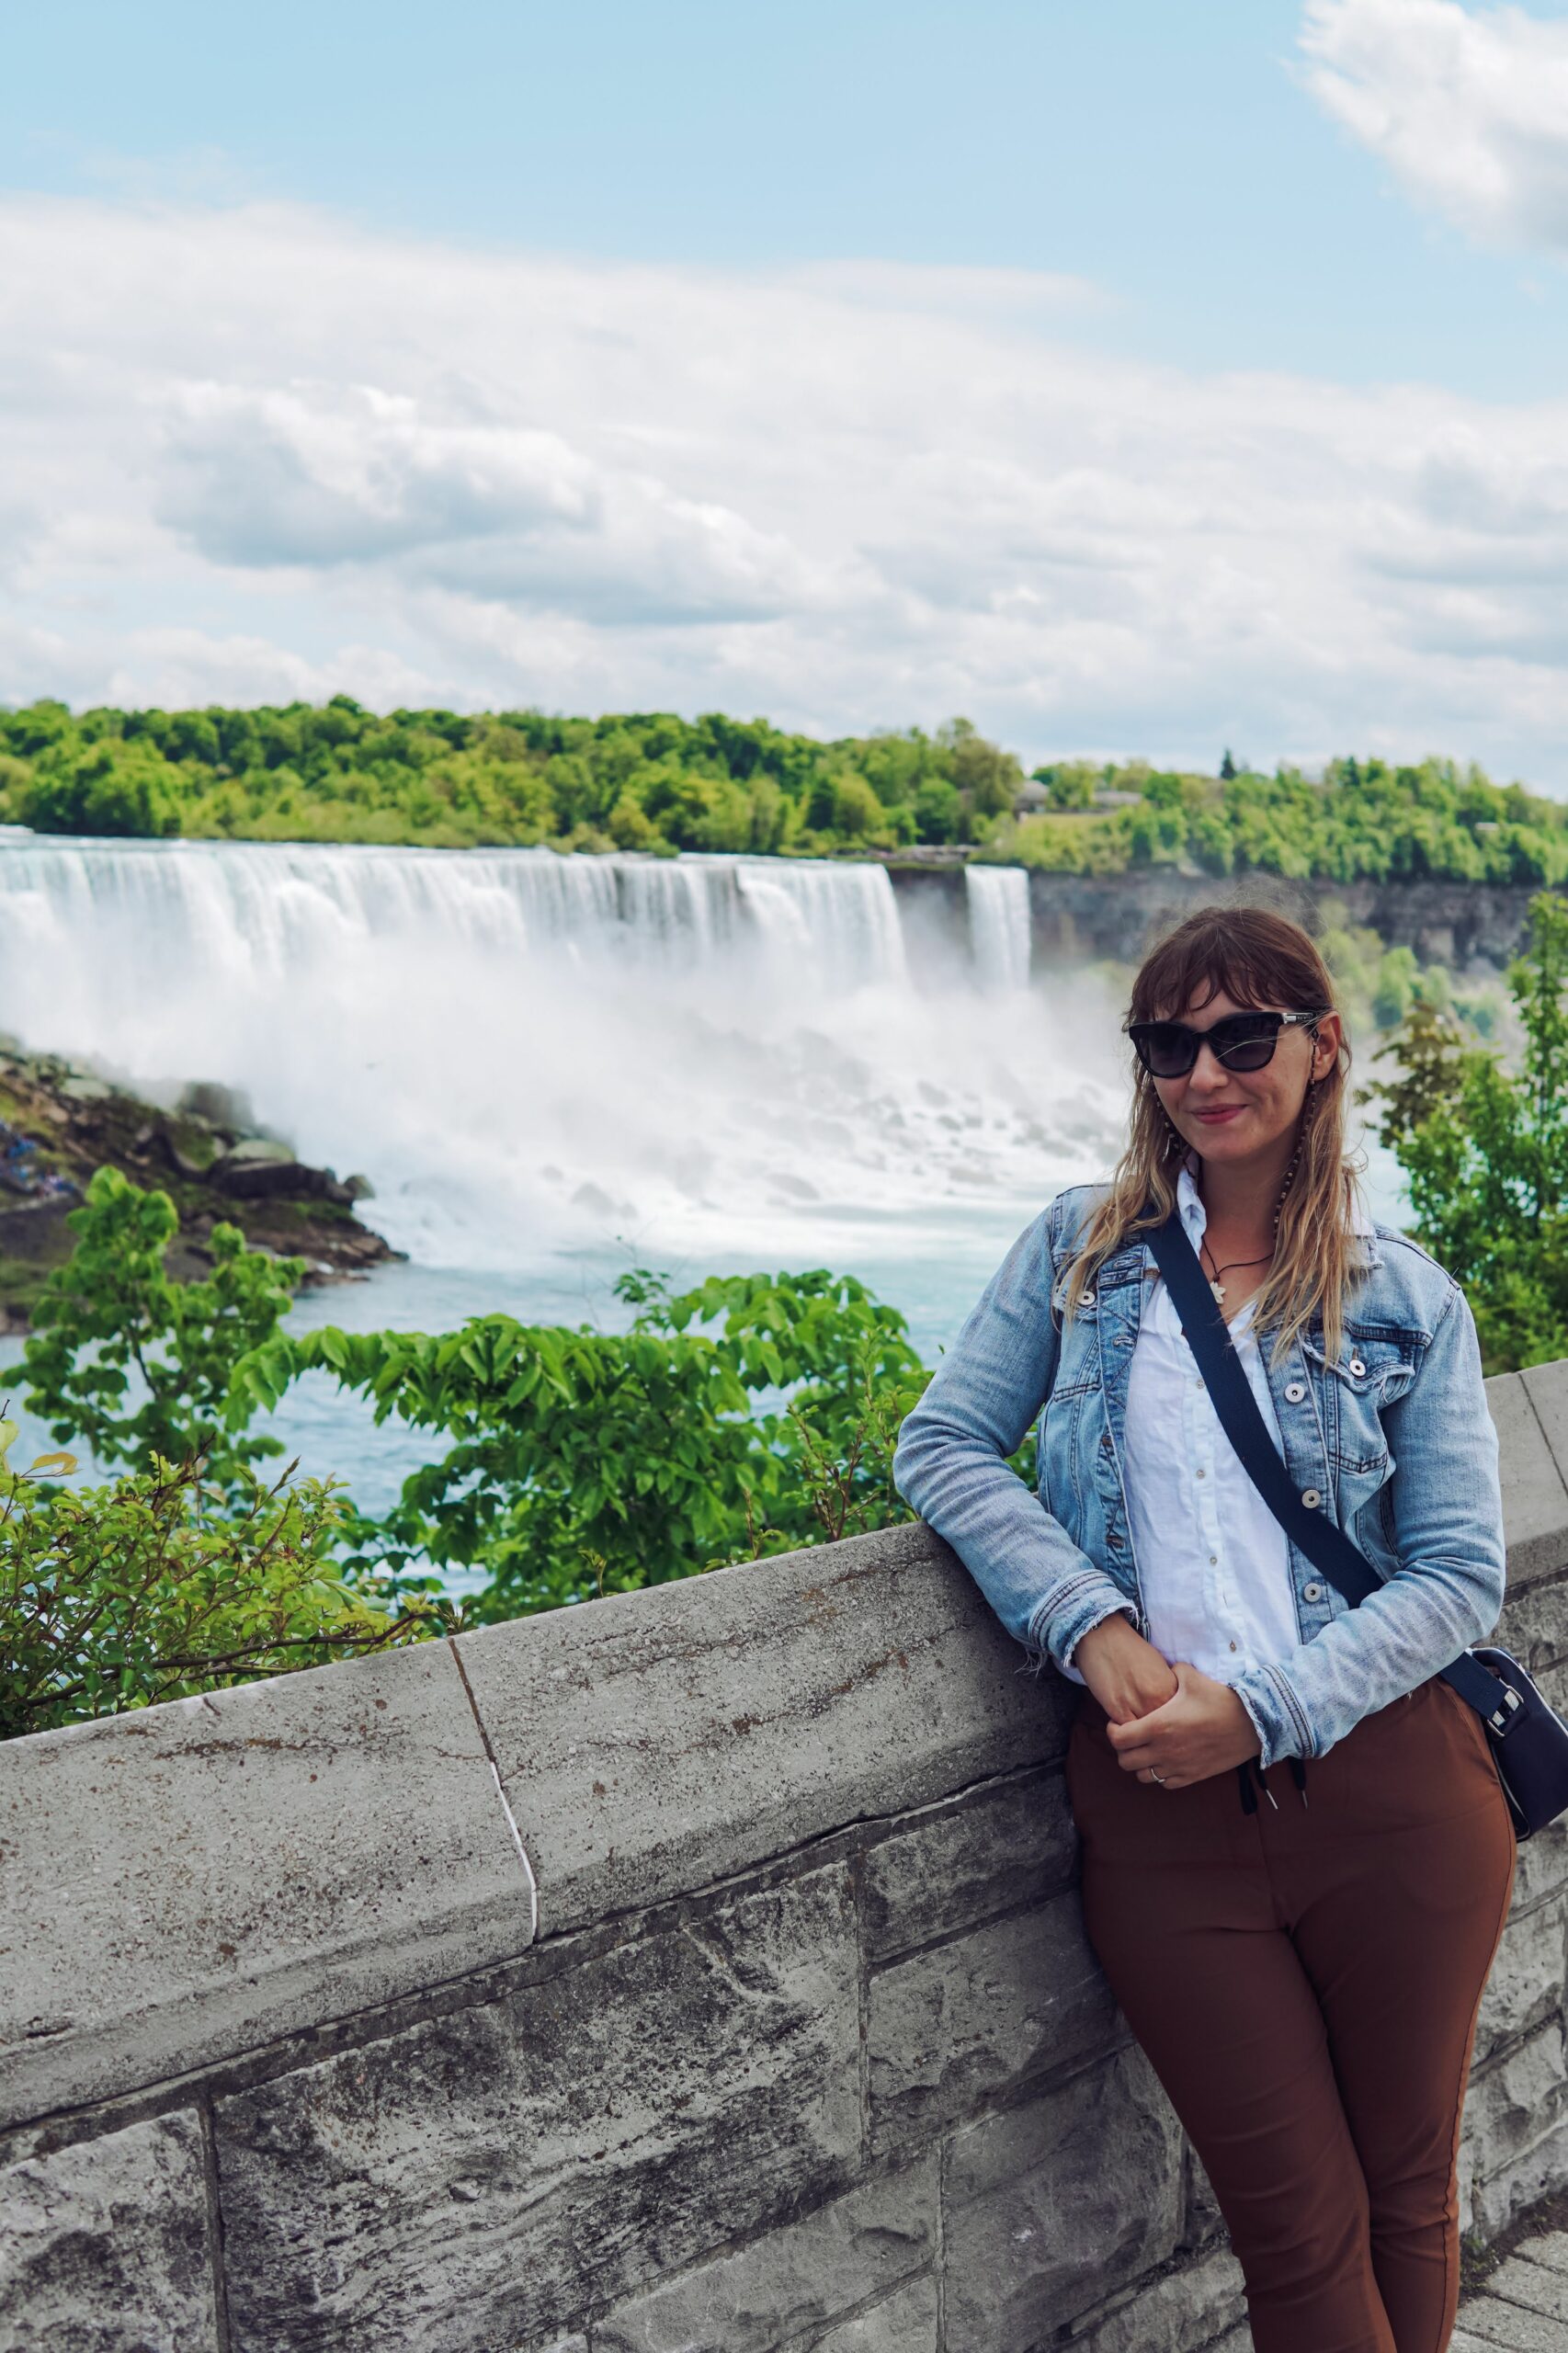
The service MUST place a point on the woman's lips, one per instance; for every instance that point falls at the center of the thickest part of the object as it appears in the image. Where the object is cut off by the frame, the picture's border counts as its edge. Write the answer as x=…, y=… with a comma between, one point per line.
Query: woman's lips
x=1217, y=1118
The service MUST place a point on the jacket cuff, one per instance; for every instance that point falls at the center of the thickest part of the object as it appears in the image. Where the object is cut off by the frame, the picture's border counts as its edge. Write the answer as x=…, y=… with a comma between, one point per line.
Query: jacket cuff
x=1277, y=1714
x=1060, y=1623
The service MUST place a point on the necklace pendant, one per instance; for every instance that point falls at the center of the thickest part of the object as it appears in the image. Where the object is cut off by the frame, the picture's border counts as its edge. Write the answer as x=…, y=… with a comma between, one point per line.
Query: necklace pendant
x=1218, y=1291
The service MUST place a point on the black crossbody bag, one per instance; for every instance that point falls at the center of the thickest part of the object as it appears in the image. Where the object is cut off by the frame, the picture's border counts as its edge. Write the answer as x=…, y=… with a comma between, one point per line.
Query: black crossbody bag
x=1529, y=1740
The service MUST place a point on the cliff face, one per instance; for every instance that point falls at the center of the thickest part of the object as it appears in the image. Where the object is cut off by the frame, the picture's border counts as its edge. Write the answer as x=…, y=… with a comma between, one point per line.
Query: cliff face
x=1078, y=916
x=58, y=1124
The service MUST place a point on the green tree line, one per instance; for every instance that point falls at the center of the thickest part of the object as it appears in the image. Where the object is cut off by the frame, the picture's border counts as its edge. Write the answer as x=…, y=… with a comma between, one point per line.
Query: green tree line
x=336, y=772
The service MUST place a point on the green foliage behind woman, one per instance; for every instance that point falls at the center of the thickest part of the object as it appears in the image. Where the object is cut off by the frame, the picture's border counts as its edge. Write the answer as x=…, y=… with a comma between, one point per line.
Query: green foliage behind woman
x=743, y=1416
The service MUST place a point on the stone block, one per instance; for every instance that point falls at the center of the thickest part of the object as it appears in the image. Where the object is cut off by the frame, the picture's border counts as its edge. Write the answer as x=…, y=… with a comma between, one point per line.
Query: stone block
x=1464, y=2173
x=1524, y=1988
x=185, y=1881
x=1534, y=1624
x=1203, y=2219
x=103, y=2245
x=1535, y=2286
x=1516, y=2126
x=1534, y=1499
x=954, y=2028
x=1505, y=2328
x=1546, y=1385
x=792, y=2281
x=1180, y=2314
x=1542, y=1865
x=1551, y=2248
x=1012, y=1846
x=904, y=2321
x=486, y=2178
x=1051, y=2207
x=652, y=1742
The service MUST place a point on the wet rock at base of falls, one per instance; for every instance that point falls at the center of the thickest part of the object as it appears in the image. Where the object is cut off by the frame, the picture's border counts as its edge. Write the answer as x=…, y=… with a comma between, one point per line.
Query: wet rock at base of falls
x=58, y=1124
x=219, y=1106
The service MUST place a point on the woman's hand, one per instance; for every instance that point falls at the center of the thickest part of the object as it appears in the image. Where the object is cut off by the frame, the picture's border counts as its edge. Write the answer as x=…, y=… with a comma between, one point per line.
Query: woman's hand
x=1127, y=1675
x=1201, y=1731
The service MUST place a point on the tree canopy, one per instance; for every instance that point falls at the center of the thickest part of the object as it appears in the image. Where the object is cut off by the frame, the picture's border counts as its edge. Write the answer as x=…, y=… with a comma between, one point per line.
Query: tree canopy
x=336, y=772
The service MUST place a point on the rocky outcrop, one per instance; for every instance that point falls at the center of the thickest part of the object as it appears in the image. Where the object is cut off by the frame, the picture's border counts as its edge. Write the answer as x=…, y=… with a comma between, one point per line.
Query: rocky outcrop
x=59, y=1123
x=1078, y=917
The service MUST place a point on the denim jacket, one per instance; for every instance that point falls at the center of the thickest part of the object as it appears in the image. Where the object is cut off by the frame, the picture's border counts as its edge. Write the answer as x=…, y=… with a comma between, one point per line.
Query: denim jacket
x=1392, y=1436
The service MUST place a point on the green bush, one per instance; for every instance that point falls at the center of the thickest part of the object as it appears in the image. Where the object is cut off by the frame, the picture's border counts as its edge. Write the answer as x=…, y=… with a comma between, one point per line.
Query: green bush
x=130, y=1363
x=587, y=1461
x=748, y=1415
x=1485, y=1150
x=118, y=1597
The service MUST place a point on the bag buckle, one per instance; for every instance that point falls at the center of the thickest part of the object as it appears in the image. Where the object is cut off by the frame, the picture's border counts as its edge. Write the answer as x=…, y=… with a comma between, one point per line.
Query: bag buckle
x=1508, y=1711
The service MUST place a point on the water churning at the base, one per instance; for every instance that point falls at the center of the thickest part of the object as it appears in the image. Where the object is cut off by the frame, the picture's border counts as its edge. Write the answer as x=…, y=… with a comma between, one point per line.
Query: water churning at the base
x=526, y=1051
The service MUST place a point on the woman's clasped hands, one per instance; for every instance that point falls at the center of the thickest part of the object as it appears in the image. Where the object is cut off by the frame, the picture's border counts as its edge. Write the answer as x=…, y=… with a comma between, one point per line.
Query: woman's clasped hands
x=1172, y=1724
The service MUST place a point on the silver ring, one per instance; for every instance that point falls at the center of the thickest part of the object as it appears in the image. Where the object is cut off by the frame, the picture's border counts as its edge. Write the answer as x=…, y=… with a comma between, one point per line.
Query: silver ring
x=1157, y=1776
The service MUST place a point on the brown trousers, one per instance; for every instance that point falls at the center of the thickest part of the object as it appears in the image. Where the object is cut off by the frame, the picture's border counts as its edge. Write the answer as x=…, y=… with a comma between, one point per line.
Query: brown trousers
x=1305, y=1979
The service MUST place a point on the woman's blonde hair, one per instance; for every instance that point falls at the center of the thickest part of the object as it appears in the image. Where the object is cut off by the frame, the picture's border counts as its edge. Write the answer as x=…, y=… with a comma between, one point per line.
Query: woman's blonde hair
x=1257, y=958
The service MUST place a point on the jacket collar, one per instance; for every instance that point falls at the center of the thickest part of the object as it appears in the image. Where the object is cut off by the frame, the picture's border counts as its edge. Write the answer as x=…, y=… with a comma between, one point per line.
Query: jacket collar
x=1194, y=1216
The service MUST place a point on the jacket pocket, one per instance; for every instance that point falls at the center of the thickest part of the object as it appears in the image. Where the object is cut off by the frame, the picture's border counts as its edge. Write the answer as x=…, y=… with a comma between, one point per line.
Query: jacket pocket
x=1366, y=1375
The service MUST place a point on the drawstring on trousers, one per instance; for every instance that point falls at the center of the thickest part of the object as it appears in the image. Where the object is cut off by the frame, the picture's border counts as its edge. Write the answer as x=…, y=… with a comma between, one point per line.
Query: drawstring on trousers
x=1246, y=1773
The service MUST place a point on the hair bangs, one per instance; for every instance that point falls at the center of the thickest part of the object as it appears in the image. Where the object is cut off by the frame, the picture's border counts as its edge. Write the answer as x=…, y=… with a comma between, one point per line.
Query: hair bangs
x=1255, y=963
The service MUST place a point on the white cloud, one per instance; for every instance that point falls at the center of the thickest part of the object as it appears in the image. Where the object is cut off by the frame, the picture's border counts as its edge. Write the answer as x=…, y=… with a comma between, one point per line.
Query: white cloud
x=258, y=451
x=1468, y=106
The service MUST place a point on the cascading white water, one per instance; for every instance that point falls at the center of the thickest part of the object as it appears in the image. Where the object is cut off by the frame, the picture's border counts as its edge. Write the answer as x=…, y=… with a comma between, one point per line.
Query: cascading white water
x=997, y=898
x=718, y=1059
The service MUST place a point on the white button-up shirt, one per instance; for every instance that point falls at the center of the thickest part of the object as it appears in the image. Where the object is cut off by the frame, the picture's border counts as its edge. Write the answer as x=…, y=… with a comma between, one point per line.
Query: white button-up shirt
x=1213, y=1565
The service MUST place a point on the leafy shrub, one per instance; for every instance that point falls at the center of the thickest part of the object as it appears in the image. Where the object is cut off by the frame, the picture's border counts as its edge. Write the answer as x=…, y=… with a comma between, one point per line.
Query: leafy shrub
x=590, y=1462
x=130, y=1363
x=118, y=1597
x=1486, y=1151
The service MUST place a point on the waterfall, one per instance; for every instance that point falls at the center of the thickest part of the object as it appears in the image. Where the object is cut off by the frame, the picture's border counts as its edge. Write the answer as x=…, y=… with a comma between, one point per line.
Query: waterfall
x=997, y=898
x=270, y=906
x=531, y=1055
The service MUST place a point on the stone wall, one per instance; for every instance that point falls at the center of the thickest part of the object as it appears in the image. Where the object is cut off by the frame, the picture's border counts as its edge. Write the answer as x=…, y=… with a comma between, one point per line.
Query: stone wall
x=700, y=1969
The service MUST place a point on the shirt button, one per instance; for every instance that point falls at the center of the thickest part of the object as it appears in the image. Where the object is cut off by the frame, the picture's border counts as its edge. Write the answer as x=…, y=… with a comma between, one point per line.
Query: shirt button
x=1295, y=1391
x=1213, y=1559
x=1310, y=1497
x=1202, y=1474
x=1232, y=1646
x=1312, y=1593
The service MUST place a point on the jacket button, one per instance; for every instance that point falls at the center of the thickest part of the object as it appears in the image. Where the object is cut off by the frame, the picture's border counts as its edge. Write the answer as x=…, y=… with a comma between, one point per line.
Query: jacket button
x=1087, y=1299
x=1312, y=1593
x=1311, y=1498
x=1295, y=1391
x=1357, y=1366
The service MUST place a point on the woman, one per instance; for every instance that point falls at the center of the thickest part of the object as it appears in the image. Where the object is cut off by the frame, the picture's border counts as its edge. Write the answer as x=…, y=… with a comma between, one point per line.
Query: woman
x=1297, y=1856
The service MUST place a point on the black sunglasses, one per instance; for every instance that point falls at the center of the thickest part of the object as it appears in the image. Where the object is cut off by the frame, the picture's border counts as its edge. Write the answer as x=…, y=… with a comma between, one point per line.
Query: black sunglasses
x=1241, y=1041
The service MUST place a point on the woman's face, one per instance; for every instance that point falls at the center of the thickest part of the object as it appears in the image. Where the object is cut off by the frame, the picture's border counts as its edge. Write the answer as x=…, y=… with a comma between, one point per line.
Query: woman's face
x=1240, y=1115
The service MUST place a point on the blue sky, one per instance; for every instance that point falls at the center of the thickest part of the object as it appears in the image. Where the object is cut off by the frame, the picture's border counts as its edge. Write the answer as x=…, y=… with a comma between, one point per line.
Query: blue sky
x=1199, y=372
x=1169, y=155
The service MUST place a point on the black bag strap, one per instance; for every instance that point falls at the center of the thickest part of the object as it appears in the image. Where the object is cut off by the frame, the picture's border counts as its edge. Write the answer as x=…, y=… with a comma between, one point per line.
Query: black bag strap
x=1326, y=1546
